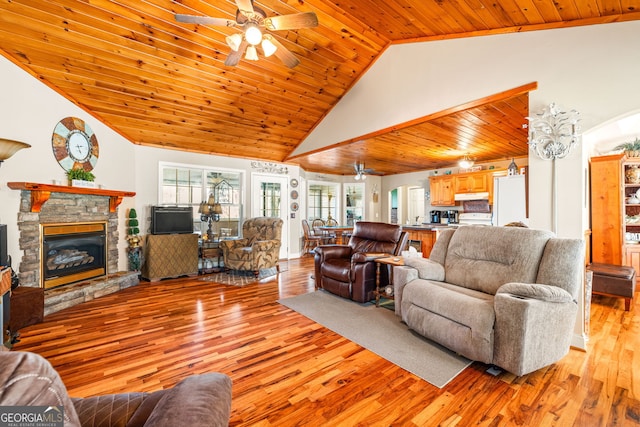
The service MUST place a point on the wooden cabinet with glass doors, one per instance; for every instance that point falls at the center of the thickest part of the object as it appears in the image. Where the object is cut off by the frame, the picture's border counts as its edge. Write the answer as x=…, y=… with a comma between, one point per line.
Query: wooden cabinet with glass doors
x=615, y=210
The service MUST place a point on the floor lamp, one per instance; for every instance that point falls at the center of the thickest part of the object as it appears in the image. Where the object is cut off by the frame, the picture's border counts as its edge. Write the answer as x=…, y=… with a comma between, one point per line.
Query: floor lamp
x=552, y=135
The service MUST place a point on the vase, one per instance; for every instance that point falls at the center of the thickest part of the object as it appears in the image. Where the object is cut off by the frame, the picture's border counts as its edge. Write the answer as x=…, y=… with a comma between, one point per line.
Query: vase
x=134, y=256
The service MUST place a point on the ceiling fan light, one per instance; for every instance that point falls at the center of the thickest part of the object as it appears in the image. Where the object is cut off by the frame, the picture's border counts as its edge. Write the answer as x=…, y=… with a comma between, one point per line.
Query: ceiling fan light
x=268, y=47
x=252, y=54
x=466, y=162
x=252, y=34
x=234, y=41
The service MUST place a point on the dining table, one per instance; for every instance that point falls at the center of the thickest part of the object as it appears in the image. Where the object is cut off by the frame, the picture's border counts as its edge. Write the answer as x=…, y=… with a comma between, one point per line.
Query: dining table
x=338, y=230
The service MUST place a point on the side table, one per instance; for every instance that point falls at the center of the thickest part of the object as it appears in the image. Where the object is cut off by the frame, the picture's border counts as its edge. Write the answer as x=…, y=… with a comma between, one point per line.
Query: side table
x=210, y=257
x=390, y=261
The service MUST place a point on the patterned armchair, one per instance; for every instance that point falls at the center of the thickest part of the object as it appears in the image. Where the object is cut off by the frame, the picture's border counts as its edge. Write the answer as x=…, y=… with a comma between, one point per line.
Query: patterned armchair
x=259, y=247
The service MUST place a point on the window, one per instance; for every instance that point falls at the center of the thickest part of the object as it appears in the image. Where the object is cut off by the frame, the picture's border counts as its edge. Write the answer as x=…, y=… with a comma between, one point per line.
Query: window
x=181, y=186
x=184, y=185
x=322, y=201
x=270, y=200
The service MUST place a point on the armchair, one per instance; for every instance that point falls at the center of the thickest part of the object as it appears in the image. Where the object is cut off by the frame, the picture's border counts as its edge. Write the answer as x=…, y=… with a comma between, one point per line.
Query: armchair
x=259, y=248
x=347, y=271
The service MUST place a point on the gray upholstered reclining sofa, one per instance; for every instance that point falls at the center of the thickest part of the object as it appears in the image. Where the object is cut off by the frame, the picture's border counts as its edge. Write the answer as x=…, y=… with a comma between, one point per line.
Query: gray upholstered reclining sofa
x=499, y=295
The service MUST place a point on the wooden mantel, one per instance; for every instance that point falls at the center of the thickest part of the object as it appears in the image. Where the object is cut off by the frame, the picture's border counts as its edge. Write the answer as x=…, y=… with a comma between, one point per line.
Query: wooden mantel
x=40, y=193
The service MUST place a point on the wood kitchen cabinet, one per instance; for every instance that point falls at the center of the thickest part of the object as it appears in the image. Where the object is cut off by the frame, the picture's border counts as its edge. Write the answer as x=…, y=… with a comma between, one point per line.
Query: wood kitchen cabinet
x=426, y=237
x=441, y=190
x=473, y=182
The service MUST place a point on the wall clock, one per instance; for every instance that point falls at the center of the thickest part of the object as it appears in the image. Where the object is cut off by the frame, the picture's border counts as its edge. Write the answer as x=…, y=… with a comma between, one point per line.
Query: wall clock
x=294, y=183
x=74, y=144
x=294, y=206
x=294, y=194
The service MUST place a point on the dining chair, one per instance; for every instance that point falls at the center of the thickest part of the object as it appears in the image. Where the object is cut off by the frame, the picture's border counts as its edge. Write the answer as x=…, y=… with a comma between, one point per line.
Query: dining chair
x=311, y=240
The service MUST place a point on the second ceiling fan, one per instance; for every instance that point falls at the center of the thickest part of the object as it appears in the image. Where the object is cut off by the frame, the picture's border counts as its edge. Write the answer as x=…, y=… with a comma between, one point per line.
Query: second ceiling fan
x=254, y=21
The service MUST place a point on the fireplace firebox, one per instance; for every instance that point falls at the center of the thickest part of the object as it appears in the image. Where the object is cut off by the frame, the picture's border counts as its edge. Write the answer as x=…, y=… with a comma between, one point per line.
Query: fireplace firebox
x=71, y=252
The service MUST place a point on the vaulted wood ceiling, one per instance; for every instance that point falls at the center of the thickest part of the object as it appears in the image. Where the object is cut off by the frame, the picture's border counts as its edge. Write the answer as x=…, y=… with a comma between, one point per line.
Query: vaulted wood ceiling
x=162, y=83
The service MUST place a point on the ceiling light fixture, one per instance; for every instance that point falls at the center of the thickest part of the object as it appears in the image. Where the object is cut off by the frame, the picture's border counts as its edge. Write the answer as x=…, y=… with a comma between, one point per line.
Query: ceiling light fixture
x=255, y=26
x=466, y=162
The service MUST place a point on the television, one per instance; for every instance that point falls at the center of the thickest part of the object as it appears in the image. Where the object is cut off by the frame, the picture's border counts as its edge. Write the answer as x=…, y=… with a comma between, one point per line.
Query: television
x=171, y=220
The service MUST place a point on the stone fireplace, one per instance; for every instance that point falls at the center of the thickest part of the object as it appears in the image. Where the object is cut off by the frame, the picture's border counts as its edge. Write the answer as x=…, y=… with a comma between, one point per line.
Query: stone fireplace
x=48, y=218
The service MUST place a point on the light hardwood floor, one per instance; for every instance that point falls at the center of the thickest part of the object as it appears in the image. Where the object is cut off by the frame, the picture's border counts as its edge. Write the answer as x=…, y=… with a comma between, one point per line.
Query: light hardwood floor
x=290, y=371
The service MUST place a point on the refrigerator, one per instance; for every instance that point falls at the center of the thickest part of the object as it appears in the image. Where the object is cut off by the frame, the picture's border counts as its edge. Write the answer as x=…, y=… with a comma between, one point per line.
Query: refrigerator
x=509, y=200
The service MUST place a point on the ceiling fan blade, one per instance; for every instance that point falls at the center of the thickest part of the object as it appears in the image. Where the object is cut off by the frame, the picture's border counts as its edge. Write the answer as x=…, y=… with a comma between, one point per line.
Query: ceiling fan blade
x=291, y=22
x=245, y=6
x=235, y=56
x=205, y=20
x=283, y=54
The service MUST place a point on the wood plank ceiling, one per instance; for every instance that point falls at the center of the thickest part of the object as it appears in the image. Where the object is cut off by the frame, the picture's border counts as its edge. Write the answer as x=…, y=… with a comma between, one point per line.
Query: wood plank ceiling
x=162, y=83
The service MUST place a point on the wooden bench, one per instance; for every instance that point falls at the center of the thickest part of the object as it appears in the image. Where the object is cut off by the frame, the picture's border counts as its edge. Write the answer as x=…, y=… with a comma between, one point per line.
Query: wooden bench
x=615, y=281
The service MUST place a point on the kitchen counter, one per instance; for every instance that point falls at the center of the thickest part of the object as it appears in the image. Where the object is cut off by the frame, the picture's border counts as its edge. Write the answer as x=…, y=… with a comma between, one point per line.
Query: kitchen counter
x=427, y=226
x=426, y=234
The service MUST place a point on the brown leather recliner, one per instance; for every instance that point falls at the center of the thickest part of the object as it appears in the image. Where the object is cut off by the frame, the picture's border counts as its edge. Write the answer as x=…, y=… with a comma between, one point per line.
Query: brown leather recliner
x=346, y=271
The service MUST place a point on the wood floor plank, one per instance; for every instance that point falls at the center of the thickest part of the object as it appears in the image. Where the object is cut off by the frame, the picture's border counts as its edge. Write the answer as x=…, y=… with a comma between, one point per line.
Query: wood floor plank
x=287, y=370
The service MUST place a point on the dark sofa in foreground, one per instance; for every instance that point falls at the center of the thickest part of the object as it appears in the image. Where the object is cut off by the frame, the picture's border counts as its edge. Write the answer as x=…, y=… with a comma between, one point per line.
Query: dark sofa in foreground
x=27, y=379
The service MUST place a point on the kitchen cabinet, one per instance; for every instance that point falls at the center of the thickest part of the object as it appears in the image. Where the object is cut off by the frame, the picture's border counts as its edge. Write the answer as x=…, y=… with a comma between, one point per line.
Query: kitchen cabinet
x=611, y=215
x=426, y=237
x=441, y=190
x=473, y=182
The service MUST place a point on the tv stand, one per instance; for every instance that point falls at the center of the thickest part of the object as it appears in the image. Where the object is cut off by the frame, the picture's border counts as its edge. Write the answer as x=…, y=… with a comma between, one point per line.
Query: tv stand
x=170, y=255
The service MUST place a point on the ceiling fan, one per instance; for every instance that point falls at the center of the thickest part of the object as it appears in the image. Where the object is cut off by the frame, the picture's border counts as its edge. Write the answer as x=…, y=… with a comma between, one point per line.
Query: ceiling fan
x=253, y=21
x=361, y=171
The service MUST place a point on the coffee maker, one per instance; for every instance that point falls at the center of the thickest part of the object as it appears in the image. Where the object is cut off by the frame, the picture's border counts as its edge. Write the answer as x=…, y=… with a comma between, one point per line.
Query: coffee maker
x=453, y=216
x=435, y=217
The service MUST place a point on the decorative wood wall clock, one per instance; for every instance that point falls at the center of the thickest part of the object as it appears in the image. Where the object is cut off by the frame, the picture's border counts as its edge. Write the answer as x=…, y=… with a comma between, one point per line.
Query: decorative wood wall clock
x=74, y=144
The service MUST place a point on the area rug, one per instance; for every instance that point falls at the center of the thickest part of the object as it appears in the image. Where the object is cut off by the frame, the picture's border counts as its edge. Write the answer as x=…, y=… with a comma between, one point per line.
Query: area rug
x=380, y=331
x=242, y=278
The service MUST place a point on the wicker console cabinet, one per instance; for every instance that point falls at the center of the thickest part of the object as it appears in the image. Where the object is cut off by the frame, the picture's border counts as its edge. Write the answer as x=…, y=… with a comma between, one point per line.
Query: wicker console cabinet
x=170, y=255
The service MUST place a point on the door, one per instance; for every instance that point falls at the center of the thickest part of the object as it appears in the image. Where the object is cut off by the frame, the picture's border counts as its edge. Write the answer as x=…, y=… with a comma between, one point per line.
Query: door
x=270, y=198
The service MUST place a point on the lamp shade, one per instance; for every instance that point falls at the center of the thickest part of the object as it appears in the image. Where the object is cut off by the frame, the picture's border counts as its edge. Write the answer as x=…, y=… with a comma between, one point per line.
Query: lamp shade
x=217, y=209
x=252, y=54
x=234, y=41
x=268, y=47
x=9, y=147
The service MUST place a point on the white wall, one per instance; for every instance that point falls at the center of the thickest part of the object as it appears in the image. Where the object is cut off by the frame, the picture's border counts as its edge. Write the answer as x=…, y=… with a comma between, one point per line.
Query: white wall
x=29, y=112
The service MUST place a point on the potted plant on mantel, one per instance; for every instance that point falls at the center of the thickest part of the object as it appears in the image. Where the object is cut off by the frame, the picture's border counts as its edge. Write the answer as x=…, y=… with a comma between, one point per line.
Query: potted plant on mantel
x=81, y=178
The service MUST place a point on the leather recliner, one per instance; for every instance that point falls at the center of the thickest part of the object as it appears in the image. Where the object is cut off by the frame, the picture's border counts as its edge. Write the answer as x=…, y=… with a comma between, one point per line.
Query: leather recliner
x=350, y=270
